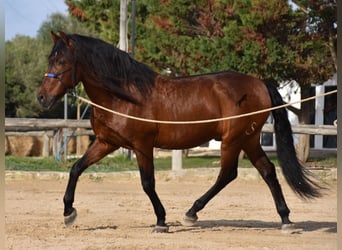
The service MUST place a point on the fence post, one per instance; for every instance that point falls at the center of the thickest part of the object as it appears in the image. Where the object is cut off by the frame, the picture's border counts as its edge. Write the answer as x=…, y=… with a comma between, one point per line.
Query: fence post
x=177, y=160
x=46, y=145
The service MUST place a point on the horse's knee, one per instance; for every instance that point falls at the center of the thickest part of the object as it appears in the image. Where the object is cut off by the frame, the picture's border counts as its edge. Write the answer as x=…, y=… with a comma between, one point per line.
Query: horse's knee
x=77, y=169
x=148, y=185
x=74, y=173
x=225, y=177
x=228, y=176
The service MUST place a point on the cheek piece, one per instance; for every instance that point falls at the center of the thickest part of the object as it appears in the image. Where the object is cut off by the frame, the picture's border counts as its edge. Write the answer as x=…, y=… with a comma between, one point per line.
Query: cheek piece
x=59, y=77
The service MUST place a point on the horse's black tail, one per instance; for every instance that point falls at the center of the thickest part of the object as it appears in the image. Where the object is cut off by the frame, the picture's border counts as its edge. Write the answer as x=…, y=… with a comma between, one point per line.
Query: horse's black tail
x=295, y=173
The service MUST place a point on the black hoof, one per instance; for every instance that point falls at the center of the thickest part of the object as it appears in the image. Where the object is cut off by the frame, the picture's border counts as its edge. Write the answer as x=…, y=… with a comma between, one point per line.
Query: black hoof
x=70, y=219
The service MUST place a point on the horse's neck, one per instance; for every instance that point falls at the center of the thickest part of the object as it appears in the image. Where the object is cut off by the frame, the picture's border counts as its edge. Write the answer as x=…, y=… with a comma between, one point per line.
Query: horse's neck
x=99, y=93
x=94, y=90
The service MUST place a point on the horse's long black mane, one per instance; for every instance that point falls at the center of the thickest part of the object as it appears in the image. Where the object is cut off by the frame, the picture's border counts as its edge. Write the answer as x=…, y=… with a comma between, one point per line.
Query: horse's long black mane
x=112, y=68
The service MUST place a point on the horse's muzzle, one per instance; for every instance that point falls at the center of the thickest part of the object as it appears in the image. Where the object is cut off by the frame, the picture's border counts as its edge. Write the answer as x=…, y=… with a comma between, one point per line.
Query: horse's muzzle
x=47, y=103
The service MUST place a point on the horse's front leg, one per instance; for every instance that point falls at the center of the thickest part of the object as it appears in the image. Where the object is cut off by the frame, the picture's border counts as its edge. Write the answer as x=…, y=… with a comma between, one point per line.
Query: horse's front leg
x=146, y=167
x=95, y=152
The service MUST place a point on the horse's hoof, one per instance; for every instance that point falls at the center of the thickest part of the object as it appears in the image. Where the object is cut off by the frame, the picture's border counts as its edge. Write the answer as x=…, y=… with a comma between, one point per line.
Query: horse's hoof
x=160, y=229
x=189, y=221
x=70, y=219
x=290, y=229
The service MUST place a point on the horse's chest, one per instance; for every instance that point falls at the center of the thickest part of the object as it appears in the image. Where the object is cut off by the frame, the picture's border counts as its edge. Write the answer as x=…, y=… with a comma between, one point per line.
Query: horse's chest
x=109, y=130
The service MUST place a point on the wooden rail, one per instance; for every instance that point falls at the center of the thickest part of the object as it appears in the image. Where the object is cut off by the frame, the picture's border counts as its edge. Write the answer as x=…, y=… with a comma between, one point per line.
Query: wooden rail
x=47, y=128
x=31, y=124
x=306, y=129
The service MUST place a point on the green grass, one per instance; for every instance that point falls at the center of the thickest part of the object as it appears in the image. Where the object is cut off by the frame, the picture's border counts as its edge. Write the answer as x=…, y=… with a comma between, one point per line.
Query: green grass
x=108, y=164
x=34, y=164
x=121, y=163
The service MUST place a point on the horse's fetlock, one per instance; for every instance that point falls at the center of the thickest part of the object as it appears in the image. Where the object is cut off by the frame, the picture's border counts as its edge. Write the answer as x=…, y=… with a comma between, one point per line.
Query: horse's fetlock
x=199, y=205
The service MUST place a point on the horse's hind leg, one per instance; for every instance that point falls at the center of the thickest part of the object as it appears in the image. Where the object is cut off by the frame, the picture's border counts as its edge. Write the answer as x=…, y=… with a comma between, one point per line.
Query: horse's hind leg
x=228, y=172
x=95, y=152
x=267, y=170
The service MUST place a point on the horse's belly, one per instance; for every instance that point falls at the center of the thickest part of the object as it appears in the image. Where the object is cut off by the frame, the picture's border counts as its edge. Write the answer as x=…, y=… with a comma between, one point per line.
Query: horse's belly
x=182, y=137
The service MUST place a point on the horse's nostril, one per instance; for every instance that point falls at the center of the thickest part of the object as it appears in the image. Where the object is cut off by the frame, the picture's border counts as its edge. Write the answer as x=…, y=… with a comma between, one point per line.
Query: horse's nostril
x=41, y=98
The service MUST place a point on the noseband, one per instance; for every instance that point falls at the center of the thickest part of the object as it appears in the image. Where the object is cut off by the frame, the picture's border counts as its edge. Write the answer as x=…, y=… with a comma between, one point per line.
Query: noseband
x=59, y=78
x=56, y=76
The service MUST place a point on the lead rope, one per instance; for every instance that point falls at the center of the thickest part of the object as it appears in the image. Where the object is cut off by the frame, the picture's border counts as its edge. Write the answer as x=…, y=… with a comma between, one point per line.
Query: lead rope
x=203, y=121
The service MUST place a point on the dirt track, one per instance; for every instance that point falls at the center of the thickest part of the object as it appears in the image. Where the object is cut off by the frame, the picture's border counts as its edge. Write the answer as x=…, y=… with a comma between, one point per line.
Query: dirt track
x=114, y=213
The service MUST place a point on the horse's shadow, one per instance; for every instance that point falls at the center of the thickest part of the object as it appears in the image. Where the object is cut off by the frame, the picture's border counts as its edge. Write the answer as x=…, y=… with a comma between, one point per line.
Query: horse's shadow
x=98, y=228
x=305, y=226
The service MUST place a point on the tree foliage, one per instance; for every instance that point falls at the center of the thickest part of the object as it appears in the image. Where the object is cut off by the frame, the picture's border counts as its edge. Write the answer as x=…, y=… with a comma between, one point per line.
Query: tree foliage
x=60, y=22
x=267, y=39
x=219, y=35
x=24, y=67
x=100, y=17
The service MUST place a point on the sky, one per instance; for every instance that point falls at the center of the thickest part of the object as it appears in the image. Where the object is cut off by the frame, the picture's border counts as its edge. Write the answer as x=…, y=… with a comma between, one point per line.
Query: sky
x=25, y=17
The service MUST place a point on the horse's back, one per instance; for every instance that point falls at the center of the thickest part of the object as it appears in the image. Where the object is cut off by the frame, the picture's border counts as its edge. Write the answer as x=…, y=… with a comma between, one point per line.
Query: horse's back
x=208, y=95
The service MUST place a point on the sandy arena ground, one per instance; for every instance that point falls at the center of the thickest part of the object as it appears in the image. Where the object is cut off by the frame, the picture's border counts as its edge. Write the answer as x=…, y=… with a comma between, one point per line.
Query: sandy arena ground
x=114, y=213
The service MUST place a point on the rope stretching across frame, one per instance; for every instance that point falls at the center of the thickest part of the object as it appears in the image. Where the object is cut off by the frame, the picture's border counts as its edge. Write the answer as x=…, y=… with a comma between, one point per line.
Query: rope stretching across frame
x=202, y=121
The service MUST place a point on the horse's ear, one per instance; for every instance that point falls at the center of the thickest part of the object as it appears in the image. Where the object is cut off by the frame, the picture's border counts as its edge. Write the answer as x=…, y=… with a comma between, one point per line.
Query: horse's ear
x=67, y=41
x=54, y=37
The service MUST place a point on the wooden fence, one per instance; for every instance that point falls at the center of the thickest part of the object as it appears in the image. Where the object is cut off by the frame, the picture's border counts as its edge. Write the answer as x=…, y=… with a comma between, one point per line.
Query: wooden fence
x=34, y=125
x=46, y=128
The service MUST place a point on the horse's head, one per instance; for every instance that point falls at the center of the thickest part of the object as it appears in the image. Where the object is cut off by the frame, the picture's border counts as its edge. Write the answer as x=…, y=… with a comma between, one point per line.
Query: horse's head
x=61, y=76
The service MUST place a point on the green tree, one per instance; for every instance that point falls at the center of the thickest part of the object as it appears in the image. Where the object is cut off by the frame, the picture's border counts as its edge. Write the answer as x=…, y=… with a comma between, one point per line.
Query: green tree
x=268, y=39
x=60, y=22
x=100, y=17
x=206, y=36
x=24, y=67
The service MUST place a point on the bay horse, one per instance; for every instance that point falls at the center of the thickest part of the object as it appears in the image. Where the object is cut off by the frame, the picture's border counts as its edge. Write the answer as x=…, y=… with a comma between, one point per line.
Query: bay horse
x=112, y=79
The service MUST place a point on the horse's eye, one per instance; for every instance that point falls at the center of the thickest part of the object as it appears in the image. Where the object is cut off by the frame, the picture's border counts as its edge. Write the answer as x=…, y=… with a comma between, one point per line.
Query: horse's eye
x=61, y=62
